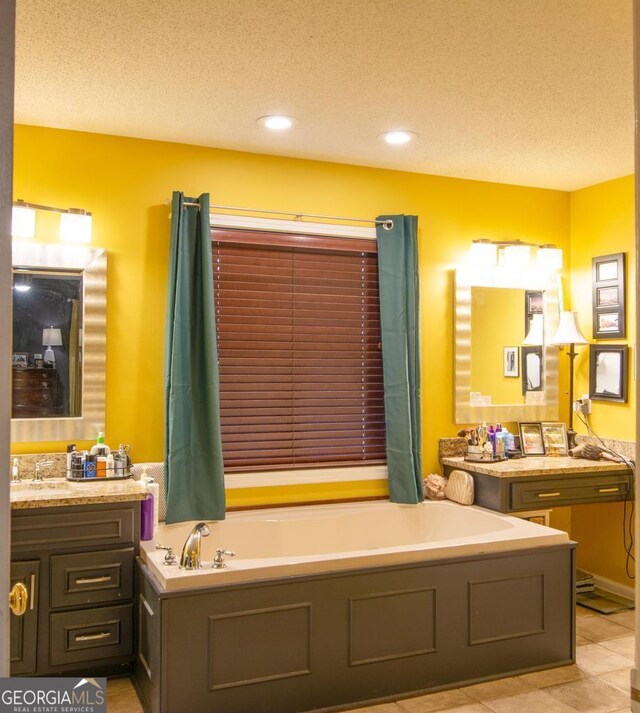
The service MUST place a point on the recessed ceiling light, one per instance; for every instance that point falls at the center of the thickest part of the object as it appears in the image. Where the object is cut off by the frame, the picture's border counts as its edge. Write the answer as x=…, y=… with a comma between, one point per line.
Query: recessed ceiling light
x=398, y=137
x=277, y=122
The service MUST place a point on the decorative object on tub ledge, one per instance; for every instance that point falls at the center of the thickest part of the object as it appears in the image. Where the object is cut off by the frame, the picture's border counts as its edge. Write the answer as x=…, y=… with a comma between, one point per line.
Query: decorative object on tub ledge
x=459, y=487
x=399, y=323
x=434, y=487
x=193, y=447
x=569, y=335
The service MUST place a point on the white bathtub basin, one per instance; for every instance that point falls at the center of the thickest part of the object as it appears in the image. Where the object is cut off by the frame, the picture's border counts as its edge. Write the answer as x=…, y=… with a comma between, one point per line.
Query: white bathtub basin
x=281, y=542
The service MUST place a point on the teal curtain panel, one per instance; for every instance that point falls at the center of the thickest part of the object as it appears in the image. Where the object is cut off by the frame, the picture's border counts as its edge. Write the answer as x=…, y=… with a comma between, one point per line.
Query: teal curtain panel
x=194, y=471
x=399, y=318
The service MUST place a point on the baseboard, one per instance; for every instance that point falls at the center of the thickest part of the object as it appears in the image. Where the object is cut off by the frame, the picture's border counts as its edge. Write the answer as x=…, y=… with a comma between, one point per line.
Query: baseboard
x=614, y=587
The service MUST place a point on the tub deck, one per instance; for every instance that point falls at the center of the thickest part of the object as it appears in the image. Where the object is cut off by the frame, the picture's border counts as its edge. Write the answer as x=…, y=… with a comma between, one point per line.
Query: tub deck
x=433, y=596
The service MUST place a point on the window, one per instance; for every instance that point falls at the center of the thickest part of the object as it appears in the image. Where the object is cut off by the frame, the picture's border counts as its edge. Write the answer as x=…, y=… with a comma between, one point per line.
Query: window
x=298, y=326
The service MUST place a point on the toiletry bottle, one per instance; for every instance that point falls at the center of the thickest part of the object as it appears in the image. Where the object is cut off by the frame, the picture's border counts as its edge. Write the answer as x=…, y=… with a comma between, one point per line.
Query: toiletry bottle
x=491, y=437
x=71, y=449
x=482, y=434
x=110, y=463
x=90, y=466
x=100, y=448
x=15, y=471
x=122, y=461
x=154, y=489
x=146, y=514
x=77, y=465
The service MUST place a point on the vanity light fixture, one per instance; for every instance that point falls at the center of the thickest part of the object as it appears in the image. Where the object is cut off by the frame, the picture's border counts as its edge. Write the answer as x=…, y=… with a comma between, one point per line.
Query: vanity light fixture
x=22, y=282
x=75, y=223
x=483, y=253
x=549, y=257
x=514, y=256
x=398, y=137
x=23, y=220
x=75, y=226
x=277, y=122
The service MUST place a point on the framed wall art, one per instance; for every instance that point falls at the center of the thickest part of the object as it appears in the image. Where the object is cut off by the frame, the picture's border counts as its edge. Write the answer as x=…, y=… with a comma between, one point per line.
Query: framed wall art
x=554, y=436
x=511, y=361
x=608, y=296
x=608, y=372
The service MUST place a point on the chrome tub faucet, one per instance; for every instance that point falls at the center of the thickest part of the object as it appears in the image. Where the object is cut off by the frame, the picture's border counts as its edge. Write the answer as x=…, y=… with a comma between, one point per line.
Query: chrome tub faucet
x=191, y=552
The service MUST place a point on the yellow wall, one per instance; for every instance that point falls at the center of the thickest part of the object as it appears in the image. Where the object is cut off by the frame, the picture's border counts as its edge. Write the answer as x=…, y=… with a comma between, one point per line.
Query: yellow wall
x=125, y=183
x=497, y=321
x=602, y=223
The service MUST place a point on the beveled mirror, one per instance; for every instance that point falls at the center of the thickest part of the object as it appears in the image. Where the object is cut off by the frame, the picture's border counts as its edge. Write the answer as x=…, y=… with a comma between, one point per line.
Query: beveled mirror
x=59, y=339
x=505, y=369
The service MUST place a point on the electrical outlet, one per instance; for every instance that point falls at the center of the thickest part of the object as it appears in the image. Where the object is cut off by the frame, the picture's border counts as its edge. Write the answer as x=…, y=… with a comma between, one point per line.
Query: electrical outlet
x=583, y=405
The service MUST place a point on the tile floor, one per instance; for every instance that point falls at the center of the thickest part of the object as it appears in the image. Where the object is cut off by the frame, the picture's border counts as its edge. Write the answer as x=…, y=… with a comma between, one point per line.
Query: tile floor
x=597, y=683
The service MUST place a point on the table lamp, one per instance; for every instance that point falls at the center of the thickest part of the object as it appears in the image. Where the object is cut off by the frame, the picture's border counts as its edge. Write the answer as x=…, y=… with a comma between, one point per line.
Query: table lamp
x=569, y=334
x=51, y=337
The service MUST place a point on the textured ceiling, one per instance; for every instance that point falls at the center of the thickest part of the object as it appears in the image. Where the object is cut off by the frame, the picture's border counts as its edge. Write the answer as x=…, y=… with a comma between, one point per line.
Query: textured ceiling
x=531, y=92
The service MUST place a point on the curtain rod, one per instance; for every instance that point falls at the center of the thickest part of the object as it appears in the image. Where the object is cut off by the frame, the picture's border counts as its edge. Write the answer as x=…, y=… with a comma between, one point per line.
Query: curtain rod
x=386, y=224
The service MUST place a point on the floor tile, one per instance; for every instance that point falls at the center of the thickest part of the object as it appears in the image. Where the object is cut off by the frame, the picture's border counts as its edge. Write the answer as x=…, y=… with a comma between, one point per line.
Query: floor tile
x=583, y=611
x=594, y=659
x=624, y=646
x=553, y=676
x=620, y=679
x=497, y=689
x=444, y=700
x=624, y=618
x=595, y=628
x=382, y=708
x=531, y=702
x=590, y=696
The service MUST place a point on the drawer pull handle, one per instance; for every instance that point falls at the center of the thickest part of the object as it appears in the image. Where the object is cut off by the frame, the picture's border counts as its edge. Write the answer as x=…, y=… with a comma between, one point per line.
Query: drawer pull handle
x=32, y=593
x=608, y=490
x=549, y=495
x=94, y=637
x=93, y=580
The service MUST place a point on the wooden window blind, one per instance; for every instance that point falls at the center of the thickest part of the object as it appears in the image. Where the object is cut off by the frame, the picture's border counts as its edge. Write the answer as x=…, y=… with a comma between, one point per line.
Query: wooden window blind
x=298, y=328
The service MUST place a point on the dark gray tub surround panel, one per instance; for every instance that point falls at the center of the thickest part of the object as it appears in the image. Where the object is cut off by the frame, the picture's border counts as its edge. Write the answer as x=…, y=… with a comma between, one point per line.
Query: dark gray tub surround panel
x=314, y=642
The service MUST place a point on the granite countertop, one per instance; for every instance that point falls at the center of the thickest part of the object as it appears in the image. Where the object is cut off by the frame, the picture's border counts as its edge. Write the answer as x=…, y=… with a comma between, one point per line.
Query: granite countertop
x=542, y=465
x=56, y=492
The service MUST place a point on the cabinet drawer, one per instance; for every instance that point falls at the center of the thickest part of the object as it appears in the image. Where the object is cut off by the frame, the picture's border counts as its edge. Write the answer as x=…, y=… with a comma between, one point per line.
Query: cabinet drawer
x=71, y=527
x=91, y=634
x=91, y=578
x=568, y=490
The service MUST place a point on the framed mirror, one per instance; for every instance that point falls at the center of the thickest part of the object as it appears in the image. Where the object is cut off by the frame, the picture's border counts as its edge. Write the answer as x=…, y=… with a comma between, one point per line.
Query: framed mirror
x=489, y=304
x=59, y=340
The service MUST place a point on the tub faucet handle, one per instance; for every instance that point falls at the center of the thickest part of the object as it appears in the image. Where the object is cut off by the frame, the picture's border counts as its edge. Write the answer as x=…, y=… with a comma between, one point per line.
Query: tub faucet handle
x=218, y=561
x=170, y=558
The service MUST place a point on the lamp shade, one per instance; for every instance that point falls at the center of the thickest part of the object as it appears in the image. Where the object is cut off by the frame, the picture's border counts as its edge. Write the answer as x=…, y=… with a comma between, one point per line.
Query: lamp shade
x=568, y=330
x=52, y=337
x=536, y=332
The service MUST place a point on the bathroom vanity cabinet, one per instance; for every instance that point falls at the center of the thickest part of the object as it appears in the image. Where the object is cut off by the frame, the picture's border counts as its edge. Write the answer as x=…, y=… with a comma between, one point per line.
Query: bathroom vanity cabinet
x=76, y=562
x=524, y=484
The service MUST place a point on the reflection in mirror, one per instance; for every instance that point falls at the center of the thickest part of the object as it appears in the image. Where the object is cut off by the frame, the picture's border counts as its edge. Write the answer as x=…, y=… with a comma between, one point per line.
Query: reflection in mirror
x=504, y=368
x=47, y=363
x=608, y=372
x=59, y=339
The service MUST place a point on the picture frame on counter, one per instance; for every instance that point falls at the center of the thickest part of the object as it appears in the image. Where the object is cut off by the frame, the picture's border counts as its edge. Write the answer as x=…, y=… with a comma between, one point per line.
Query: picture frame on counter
x=531, y=438
x=511, y=365
x=554, y=436
x=20, y=359
x=608, y=372
x=608, y=285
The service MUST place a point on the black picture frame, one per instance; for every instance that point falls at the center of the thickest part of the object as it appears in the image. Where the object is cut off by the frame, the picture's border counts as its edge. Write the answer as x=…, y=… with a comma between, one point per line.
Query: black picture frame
x=533, y=304
x=608, y=296
x=524, y=352
x=609, y=386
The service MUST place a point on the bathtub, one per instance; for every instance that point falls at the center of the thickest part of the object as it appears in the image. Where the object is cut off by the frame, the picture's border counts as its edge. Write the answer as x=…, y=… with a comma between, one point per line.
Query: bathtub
x=335, y=605
x=288, y=541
